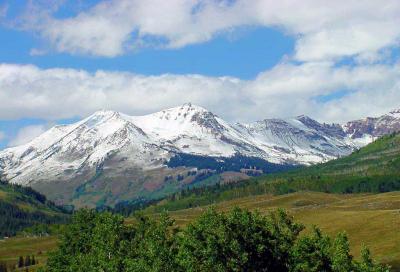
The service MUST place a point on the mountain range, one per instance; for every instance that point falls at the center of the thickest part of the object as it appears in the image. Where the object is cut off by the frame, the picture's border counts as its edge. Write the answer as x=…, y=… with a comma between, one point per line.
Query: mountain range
x=110, y=156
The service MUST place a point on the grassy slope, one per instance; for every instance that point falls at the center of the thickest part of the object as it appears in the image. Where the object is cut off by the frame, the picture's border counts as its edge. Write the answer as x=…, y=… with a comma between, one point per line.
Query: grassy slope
x=12, y=248
x=28, y=202
x=378, y=159
x=372, y=219
x=16, y=195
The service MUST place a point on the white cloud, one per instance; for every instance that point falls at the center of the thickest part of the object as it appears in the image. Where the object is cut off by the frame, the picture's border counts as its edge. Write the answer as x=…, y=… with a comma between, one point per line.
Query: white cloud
x=26, y=134
x=324, y=30
x=284, y=91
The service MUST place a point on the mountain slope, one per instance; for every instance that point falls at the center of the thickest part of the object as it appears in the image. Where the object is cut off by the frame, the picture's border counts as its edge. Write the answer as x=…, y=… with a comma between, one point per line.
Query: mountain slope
x=373, y=168
x=375, y=127
x=22, y=207
x=110, y=156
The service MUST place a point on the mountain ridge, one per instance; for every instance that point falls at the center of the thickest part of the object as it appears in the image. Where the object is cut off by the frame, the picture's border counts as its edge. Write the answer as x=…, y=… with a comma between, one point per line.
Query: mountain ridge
x=134, y=150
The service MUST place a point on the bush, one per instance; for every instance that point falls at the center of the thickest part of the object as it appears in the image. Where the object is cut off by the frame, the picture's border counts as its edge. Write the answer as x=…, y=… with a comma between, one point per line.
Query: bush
x=238, y=241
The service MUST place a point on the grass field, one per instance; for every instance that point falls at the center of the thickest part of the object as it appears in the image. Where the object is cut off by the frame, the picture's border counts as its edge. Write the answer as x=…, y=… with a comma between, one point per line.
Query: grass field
x=372, y=219
x=12, y=248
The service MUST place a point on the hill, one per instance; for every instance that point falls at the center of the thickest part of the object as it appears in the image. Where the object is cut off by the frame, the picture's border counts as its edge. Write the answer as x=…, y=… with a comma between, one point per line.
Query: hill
x=22, y=207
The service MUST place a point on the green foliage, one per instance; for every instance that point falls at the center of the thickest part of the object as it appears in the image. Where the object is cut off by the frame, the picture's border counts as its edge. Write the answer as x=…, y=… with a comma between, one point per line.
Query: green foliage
x=153, y=246
x=312, y=253
x=367, y=264
x=91, y=241
x=316, y=252
x=236, y=241
x=341, y=258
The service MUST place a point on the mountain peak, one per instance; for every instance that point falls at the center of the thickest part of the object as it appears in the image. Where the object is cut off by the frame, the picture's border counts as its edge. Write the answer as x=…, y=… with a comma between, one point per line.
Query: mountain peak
x=303, y=117
x=190, y=107
x=180, y=113
x=102, y=117
x=395, y=113
x=105, y=113
x=307, y=121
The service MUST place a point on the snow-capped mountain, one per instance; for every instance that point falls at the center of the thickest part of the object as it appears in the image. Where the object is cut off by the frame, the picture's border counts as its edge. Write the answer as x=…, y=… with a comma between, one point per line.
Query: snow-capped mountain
x=111, y=151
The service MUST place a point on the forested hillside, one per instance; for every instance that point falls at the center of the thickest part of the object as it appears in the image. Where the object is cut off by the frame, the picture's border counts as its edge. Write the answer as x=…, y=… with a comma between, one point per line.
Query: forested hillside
x=22, y=207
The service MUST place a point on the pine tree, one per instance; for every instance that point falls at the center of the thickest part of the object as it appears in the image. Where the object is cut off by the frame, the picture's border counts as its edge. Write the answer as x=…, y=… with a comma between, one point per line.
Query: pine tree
x=20, y=262
x=27, y=260
x=3, y=267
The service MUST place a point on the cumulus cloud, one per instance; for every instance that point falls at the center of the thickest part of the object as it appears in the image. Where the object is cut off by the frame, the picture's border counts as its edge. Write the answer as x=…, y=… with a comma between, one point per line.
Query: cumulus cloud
x=324, y=30
x=26, y=134
x=284, y=91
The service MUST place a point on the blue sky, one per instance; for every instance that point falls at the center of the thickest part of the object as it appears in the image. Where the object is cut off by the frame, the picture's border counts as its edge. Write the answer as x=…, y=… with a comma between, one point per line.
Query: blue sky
x=243, y=54
x=62, y=60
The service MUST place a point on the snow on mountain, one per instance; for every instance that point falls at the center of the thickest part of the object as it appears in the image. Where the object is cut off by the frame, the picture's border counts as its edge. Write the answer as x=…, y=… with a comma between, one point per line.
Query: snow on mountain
x=130, y=147
x=297, y=140
x=188, y=129
x=71, y=148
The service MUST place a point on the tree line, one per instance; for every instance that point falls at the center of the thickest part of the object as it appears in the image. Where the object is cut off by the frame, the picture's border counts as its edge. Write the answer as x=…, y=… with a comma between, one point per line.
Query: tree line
x=22, y=263
x=221, y=164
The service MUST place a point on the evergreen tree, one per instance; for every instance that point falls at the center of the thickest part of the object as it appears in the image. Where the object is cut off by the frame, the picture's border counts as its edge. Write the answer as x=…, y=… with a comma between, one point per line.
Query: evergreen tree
x=20, y=262
x=3, y=267
x=27, y=261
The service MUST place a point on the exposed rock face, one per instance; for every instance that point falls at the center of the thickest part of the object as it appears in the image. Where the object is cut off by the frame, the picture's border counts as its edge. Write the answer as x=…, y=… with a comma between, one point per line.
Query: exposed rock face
x=375, y=127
